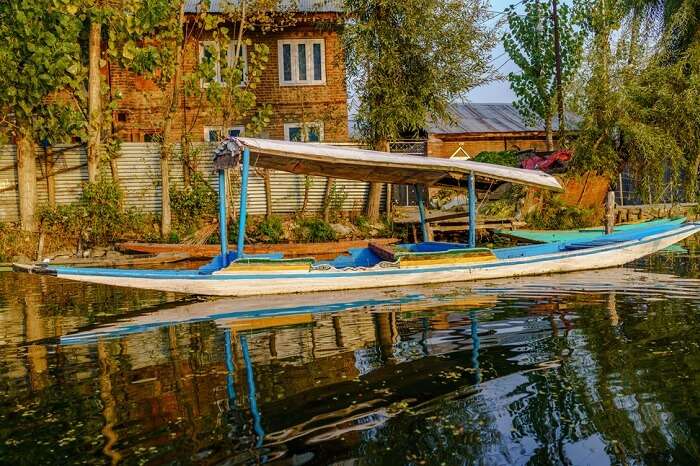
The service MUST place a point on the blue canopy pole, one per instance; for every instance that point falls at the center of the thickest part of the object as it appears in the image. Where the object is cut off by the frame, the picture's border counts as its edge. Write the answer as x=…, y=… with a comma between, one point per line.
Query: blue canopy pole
x=252, y=396
x=472, y=211
x=421, y=213
x=230, y=389
x=476, y=344
x=244, y=201
x=223, y=225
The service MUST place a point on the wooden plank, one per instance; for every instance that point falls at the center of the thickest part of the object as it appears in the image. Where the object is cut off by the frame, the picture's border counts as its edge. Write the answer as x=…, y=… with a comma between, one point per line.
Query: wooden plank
x=164, y=258
x=289, y=249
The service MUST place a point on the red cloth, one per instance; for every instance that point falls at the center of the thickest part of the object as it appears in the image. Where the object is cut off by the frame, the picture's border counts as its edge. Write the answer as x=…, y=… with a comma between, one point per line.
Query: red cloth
x=544, y=163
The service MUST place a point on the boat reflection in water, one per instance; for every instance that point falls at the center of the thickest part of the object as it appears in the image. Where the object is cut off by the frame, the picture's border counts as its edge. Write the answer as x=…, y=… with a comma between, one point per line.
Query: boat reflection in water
x=499, y=372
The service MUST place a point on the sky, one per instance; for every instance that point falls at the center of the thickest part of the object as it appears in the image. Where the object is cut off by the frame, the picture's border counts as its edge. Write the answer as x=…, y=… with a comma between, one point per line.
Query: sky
x=497, y=91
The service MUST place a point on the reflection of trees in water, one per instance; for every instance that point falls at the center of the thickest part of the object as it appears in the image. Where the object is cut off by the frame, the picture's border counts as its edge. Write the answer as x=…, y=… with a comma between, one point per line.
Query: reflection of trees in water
x=361, y=381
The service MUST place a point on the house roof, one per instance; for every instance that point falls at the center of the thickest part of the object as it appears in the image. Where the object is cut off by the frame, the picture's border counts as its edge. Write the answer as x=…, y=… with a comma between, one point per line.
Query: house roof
x=306, y=6
x=490, y=118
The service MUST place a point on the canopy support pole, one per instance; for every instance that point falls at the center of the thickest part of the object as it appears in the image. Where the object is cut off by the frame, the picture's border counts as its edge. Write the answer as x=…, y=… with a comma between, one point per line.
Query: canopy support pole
x=472, y=210
x=223, y=217
x=244, y=203
x=421, y=213
x=252, y=395
x=476, y=344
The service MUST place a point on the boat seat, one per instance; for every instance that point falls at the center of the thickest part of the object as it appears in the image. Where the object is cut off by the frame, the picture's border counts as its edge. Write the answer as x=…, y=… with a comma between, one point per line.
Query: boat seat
x=381, y=251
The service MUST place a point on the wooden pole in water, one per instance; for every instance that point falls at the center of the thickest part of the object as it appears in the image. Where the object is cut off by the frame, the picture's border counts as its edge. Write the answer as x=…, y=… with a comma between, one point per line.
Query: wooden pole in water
x=610, y=213
x=472, y=211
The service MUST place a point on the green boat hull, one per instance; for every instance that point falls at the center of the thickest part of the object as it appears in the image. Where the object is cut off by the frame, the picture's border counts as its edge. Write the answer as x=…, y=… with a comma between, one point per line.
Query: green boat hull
x=554, y=236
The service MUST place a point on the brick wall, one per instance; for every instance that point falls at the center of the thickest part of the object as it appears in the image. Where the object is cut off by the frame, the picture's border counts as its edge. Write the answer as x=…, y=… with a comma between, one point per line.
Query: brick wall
x=142, y=102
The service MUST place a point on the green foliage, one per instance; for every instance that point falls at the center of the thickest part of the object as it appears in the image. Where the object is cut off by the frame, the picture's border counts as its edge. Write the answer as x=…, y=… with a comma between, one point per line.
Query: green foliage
x=336, y=200
x=641, y=115
x=271, y=229
x=553, y=214
x=500, y=208
x=98, y=218
x=192, y=204
x=507, y=158
x=409, y=58
x=39, y=55
x=313, y=230
x=530, y=44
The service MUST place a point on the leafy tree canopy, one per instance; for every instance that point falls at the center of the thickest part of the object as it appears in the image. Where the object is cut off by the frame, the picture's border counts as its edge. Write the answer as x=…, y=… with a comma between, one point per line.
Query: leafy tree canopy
x=407, y=59
x=39, y=56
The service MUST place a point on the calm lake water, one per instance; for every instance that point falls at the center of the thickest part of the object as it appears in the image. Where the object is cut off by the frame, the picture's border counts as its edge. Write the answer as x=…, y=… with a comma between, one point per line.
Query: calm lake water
x=590, y=368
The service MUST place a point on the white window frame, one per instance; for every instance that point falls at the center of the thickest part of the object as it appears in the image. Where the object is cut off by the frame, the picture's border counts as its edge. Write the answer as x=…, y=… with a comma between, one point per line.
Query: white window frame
x=294, y=43
x=207, y=129
x=311, y=124
x=229, y=60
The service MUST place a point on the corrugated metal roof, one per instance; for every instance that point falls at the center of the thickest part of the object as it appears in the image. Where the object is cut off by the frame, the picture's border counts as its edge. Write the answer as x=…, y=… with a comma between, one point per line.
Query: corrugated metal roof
x=306, y=6
x=489, y=118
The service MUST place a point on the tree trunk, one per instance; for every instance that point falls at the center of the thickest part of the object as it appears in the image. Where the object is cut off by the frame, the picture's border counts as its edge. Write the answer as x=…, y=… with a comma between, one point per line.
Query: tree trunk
x=26, y=180
x=186, y=174
x=307, y=188
x=50, y=177
x=374, y=198
x=268, y=193
x=94, y=100
x=166, y=145
x=549, y=133
x=330, y=185
x=558, y=78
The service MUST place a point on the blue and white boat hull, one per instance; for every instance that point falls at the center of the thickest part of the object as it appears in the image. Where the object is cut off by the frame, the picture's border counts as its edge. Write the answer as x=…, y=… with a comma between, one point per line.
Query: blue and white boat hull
x=617, y=250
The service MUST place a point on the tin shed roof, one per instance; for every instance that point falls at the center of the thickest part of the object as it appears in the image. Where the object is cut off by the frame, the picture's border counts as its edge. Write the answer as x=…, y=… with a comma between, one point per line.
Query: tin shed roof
x=306, y=6
x=490, y=118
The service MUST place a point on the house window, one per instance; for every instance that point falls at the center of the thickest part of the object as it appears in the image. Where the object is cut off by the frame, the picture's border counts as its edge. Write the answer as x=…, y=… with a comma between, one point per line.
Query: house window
x=210, y=53
x=214, y=134
x=309, y=132
x=302, y=62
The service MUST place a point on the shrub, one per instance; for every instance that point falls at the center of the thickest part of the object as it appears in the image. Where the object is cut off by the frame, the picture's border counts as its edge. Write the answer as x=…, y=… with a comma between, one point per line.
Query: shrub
x=98, y=218
x=555, y=215
x=192, y=204
x=507, y=158
x=313, y=230
x=270, y=230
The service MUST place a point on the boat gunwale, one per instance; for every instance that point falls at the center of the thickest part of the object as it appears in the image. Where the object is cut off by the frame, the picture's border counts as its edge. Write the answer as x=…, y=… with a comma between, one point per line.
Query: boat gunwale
x=375, y=270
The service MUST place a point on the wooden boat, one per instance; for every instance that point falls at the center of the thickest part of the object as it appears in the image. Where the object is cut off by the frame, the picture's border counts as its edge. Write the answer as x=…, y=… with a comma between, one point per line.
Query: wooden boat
x=584, y=234
x=208, y=251
x=241, y=274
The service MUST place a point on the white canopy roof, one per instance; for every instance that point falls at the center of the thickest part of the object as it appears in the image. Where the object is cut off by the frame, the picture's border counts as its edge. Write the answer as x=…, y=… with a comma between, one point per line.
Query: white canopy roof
x=366, y=165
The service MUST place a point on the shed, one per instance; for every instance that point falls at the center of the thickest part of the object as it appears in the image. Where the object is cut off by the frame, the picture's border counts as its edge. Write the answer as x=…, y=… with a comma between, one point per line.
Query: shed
x=472, y=128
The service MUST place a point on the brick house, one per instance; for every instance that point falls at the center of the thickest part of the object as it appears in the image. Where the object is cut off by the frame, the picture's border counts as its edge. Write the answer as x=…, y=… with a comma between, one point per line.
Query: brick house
x=314, y=95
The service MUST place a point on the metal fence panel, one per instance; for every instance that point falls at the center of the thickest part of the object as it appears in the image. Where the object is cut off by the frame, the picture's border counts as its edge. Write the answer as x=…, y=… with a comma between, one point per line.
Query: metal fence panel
x=139, y=173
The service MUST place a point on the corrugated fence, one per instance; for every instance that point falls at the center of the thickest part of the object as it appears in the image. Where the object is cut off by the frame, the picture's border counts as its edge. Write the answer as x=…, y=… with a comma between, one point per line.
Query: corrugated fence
x=139, y=176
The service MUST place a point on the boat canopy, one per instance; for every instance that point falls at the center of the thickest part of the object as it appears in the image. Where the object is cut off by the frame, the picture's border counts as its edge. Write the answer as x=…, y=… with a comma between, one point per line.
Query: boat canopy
x=365, y=165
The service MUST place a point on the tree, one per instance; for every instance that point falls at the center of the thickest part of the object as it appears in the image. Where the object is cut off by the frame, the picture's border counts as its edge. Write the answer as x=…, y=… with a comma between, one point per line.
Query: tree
x=640, y=109
x=407, y=59
x=39, y=56
x=530, y=43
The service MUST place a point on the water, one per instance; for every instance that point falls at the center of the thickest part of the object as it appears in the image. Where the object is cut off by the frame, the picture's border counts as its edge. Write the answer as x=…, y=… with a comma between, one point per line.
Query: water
x=590, y=368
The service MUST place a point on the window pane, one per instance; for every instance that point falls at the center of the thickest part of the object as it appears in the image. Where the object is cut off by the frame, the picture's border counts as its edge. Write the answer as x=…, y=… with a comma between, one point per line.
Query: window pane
x=317, y=62
x=213, y=135
x=314, y=134
x=234, y=132
x=287, y=61
x=295, y=134
x=301, y=49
